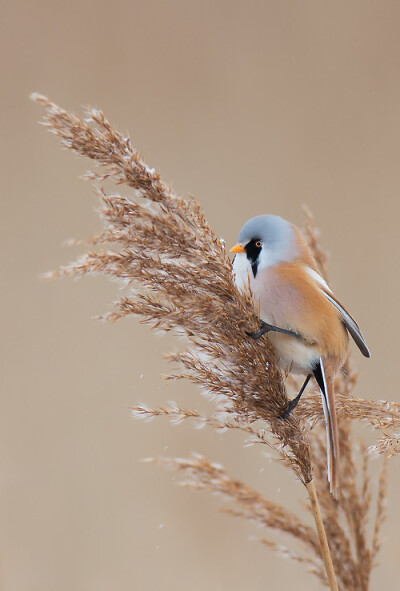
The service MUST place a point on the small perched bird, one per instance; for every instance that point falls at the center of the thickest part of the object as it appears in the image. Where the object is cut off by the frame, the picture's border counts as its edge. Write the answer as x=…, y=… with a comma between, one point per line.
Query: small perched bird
x=308, y=326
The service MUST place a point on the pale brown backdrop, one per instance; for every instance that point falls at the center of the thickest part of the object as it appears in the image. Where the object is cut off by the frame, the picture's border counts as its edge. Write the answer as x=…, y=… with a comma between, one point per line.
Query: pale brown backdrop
x=253, y=107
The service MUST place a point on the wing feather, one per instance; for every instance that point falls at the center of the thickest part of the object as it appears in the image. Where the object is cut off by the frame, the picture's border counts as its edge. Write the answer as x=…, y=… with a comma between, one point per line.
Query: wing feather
x=350, y=324
x=347, y=319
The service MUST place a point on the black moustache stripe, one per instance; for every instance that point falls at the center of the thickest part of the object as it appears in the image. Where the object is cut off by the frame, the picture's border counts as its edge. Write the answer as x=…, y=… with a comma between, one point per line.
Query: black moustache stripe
x=253, y=253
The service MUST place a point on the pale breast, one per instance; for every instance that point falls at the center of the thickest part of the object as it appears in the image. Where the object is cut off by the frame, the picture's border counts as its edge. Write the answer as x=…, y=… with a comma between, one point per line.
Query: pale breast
x=281, y=303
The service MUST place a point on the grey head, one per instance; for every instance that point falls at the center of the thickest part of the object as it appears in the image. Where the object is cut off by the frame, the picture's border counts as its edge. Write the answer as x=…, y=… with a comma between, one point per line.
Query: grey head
x=268, y=240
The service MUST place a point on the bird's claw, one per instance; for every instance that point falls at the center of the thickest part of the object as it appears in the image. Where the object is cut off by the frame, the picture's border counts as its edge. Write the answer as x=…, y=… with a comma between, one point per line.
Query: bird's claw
x=291, y=405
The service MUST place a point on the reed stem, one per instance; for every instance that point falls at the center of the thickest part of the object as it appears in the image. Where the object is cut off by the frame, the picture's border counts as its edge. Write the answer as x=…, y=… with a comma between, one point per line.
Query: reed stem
x=326, y=555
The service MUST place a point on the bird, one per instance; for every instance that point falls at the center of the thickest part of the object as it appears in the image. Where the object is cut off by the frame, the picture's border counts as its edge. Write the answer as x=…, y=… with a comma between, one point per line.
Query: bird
x=307, y=325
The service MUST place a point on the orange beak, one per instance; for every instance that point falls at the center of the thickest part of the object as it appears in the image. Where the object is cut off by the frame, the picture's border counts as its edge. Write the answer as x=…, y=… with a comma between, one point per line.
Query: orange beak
x=238, y=248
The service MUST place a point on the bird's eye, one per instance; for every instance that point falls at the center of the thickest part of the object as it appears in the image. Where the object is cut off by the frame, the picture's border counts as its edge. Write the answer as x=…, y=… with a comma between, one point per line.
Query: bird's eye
x=259, y=244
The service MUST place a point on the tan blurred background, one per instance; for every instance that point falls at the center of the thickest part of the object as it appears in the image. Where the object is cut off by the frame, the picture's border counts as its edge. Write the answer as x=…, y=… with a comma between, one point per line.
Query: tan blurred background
x=253, y=107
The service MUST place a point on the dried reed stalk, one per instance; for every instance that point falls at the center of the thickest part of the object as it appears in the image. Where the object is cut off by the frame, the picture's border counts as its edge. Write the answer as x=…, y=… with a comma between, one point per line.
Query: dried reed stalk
x=316, y=511
x=180, y=278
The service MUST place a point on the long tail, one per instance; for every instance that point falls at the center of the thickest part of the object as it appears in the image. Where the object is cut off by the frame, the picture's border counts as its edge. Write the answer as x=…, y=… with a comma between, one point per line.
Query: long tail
x=325, y=383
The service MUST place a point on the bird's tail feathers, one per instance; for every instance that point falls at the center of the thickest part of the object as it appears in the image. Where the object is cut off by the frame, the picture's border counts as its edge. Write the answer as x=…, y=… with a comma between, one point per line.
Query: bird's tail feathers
x=325, y=383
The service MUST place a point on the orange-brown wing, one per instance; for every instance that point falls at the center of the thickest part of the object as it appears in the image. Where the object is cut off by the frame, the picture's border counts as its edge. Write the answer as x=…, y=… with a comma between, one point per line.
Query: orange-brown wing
x=347, y=319
x=349, y=323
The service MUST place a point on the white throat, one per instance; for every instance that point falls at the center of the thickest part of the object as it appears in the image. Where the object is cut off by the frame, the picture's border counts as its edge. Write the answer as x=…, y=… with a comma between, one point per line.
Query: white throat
x=242, y=271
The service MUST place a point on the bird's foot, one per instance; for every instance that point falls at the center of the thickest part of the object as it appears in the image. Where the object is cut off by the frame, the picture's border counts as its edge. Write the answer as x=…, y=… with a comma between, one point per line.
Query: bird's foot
x=291, y=405
x=259, y=333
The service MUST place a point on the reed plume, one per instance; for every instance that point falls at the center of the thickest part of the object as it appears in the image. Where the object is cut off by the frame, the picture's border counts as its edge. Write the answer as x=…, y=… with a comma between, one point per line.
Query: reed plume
x=179, y=278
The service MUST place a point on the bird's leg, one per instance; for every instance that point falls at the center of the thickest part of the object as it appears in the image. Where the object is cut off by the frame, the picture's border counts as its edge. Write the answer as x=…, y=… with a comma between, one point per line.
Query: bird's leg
x=293, y=403
x=264, y=328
